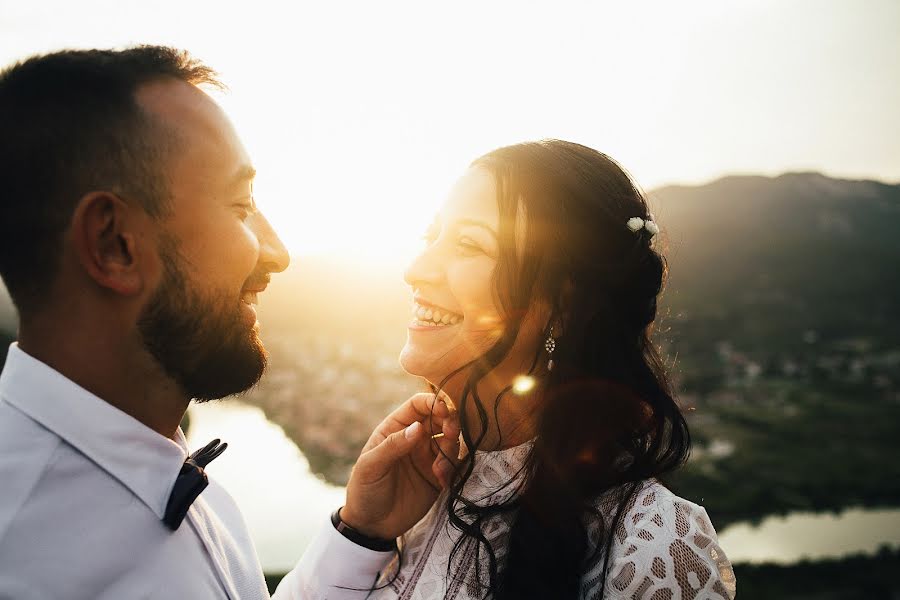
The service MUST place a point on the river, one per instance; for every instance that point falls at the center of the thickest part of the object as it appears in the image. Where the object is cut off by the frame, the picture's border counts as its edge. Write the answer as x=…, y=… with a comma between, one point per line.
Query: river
x=284, y=504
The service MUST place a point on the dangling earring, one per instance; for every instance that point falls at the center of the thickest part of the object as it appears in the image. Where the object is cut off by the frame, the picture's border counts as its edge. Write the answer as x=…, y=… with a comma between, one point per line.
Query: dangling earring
x=550, y=346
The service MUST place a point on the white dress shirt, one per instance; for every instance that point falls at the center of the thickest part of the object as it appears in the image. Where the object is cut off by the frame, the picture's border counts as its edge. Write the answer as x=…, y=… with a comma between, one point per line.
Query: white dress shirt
x=84, y=487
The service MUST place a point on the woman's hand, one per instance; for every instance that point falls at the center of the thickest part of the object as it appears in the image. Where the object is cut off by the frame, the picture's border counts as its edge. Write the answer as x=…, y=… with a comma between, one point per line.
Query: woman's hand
x=402, y=468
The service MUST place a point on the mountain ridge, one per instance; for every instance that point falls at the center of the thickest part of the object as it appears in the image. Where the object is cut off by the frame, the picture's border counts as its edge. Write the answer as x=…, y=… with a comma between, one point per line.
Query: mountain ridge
x=688, y=213
x=812, y=175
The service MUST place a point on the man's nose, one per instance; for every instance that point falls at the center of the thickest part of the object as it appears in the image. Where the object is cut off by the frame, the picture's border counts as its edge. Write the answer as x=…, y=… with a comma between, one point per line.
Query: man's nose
x=272, y=253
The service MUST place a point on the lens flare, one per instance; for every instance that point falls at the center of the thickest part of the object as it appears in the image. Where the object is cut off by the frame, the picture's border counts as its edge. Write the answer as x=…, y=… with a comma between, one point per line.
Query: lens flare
x=523, y=384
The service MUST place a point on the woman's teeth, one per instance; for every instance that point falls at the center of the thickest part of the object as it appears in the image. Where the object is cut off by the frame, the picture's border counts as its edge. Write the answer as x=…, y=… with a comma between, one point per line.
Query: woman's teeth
x=429, y=317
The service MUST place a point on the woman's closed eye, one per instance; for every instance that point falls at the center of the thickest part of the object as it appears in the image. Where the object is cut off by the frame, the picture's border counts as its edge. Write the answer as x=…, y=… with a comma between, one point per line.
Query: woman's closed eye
x=468, y=247
x=463, y=245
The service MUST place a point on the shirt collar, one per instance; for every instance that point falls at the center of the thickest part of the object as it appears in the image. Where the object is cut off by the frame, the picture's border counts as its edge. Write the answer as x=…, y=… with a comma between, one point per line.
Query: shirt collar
x=146, y=462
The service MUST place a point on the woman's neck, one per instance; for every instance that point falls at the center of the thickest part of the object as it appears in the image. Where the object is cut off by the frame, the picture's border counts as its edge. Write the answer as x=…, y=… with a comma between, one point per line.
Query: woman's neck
x=513, y=423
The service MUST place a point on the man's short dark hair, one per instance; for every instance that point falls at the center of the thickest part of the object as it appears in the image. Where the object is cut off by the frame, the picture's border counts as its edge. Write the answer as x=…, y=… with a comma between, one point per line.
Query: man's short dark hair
x=69, y=125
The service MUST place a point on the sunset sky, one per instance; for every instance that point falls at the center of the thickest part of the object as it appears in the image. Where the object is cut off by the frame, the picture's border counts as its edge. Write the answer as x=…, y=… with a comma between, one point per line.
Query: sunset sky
x=360, y=115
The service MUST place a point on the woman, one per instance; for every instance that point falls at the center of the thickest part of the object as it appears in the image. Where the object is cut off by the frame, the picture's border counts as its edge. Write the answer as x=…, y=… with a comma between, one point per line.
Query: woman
x=534, y=299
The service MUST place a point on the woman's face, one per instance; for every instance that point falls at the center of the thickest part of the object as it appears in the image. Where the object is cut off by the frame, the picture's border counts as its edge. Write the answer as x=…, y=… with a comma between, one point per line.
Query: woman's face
x=456, y=317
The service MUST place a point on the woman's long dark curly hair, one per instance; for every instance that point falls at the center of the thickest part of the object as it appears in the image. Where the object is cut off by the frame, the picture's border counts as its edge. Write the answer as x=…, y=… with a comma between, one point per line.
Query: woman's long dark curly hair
x=607, y=419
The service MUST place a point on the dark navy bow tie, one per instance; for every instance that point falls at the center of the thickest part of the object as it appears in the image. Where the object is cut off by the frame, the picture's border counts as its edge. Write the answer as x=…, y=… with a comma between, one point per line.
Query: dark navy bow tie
x=191, y=481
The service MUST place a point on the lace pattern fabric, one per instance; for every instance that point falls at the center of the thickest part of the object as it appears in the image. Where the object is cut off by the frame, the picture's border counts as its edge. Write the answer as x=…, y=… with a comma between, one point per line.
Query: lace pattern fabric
x=664, y=547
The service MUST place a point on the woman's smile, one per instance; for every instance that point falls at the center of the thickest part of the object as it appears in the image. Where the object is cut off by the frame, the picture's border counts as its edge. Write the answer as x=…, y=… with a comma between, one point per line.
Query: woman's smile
x=427, y=316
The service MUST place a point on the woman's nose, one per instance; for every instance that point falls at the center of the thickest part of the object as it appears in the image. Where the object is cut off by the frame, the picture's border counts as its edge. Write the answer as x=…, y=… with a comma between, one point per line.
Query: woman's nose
x=425, y=268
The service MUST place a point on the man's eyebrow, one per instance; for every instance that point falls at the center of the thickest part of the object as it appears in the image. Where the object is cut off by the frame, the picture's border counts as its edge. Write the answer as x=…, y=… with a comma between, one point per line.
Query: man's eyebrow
x=477, y=223
x=244, y=173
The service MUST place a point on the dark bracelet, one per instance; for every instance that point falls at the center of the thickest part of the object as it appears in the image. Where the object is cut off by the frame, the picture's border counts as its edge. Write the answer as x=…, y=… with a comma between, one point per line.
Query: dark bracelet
x=361, y=539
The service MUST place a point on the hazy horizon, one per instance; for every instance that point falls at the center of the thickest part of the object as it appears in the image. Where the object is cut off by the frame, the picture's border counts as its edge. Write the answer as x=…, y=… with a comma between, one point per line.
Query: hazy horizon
x=360, y=116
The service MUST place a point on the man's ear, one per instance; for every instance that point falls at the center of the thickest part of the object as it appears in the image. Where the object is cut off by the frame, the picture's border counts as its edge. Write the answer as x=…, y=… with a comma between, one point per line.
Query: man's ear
x=105, y=242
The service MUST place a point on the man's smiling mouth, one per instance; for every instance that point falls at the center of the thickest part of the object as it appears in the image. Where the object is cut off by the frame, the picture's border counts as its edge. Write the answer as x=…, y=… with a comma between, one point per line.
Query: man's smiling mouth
x=250, y=297
x=250, y=294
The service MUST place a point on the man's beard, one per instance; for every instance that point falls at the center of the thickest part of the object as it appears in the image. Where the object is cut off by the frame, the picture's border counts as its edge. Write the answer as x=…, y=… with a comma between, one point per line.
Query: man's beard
x=202, y=342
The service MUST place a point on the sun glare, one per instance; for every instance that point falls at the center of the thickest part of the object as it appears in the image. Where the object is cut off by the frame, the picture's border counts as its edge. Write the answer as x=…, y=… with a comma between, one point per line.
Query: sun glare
x=523, y=384
x=366, y=201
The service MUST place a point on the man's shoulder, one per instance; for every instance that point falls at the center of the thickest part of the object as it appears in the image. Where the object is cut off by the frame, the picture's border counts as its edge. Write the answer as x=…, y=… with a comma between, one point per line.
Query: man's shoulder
x=26, y=449
x=25, y=444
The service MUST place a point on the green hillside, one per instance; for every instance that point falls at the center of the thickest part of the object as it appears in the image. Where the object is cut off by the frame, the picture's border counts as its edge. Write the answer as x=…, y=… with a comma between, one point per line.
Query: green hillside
x=780, y=310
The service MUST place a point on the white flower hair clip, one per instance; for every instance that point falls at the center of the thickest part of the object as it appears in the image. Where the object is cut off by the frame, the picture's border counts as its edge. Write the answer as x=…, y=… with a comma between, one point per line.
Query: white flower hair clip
x=635, y=224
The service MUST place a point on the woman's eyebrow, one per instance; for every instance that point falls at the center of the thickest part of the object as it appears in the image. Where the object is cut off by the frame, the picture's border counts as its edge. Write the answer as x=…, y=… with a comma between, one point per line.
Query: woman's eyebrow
x=478, y=223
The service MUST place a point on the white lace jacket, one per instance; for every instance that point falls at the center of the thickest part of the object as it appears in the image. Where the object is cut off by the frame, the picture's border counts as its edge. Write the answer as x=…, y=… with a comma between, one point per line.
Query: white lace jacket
x=665, y=547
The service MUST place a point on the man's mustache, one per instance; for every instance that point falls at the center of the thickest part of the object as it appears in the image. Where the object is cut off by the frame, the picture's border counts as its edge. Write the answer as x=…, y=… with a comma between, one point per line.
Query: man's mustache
x=258, y=281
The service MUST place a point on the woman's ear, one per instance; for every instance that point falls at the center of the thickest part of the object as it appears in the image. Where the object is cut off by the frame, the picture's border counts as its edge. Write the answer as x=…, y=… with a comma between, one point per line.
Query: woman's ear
x=105, y=242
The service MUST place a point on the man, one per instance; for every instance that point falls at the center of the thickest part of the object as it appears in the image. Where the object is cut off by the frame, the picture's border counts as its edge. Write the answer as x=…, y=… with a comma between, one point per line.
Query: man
x=133, y=248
